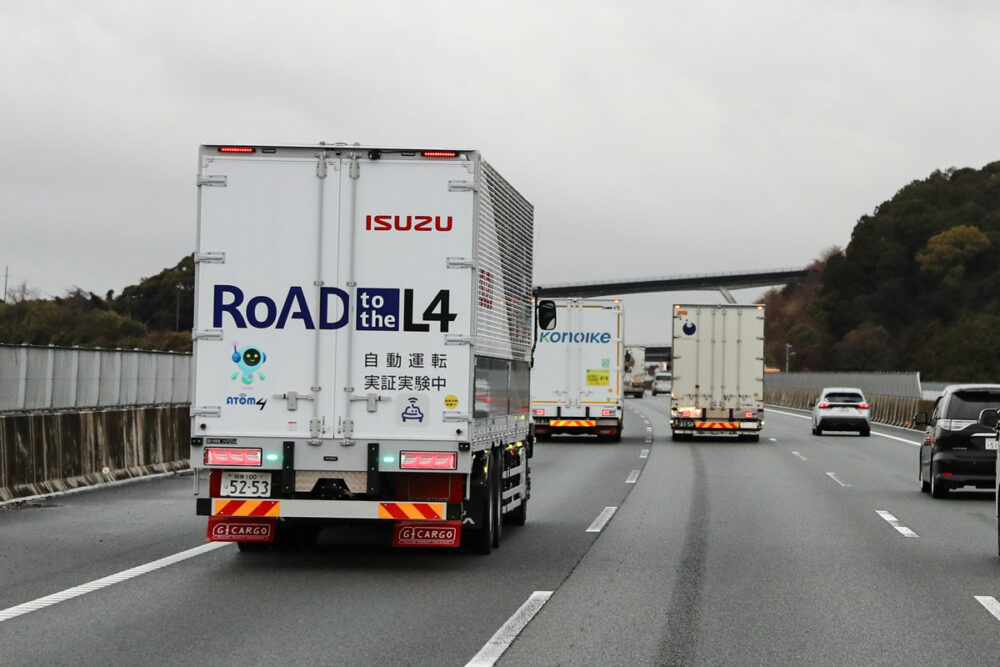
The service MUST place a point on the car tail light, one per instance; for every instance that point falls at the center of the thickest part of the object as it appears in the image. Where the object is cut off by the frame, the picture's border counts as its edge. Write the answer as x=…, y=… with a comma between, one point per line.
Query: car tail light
x=232, y=456
x=946, y=474
x=237, y=149
x=863, y=406
x=428, y=460
x=823, y=405
x=605, y=413
x=539, y=411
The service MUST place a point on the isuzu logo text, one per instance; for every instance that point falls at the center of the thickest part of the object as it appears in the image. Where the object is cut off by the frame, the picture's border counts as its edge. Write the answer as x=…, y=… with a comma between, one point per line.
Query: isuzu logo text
x=407, y=223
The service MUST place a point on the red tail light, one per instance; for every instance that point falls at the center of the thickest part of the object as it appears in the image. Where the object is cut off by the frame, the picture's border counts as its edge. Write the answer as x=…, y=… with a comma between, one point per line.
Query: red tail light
x=539, y=411
x=428, y=460
x=748, y=414
x=823, y=405
x=863, y=406
x=237, y=149
x=439, y=153
x=232, y=456
x=605, y=413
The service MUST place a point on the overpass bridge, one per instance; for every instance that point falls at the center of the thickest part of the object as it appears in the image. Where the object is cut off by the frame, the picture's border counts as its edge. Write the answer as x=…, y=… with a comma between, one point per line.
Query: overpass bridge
x=723, y=282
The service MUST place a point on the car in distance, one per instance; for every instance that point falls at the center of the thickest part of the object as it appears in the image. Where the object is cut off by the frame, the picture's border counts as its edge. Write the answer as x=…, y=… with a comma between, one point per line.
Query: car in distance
x=841, y=409
x=957, y=450
x=662, y=383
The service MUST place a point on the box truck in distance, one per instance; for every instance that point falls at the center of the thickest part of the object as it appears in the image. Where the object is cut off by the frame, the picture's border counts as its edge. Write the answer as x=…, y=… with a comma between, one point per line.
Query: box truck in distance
x=577, y=378
x=362, y=344
x=717, y=357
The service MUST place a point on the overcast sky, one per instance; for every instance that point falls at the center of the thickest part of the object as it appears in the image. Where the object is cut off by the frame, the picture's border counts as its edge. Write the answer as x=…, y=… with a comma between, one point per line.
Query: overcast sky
x=654, y=138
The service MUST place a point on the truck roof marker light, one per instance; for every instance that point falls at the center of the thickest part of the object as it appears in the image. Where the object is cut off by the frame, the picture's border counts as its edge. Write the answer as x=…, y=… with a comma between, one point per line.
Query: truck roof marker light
x=237, y=149
x=439, y=154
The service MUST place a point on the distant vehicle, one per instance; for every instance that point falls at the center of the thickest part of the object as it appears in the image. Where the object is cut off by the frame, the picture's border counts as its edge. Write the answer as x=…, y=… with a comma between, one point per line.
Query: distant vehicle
x=717, y=361
x=957, y=449
x=841, y=409
x=576, y=382
x=662, y=383
x=635, y=372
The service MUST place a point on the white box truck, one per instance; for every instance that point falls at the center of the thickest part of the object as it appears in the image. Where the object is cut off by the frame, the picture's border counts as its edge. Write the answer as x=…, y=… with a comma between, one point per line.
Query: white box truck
x=577, y=378
x=717, y=354
x=362, y=342
x=635, y=371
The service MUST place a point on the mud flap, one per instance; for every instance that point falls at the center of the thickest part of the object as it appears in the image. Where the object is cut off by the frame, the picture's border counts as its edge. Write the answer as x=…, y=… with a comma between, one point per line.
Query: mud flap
x=427, y=534
x=239, y=529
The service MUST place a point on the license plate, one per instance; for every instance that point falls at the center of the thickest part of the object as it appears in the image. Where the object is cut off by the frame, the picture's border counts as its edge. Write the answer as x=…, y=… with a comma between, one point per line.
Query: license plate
x=991, y=443
x=246, y=484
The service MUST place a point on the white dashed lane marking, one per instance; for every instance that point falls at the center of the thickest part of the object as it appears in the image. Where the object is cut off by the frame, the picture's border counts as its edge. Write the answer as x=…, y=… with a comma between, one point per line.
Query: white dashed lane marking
x=833, y=476
x=894, y=522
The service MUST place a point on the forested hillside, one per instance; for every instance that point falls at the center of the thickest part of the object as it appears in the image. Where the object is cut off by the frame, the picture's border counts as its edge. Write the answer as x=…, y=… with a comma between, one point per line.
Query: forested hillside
x=917, y=287
x=156, y=314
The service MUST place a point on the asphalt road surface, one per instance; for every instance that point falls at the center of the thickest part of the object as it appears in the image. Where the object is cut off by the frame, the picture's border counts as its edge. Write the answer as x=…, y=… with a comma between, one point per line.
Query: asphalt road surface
x=796, y=550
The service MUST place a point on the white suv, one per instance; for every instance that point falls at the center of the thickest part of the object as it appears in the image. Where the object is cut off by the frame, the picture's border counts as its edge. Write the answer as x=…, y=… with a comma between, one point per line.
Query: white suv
x=841, y=409
x=662, y=383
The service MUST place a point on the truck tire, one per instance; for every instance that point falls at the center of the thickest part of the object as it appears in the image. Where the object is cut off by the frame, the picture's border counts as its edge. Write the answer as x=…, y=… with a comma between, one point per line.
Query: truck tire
x=481, y=540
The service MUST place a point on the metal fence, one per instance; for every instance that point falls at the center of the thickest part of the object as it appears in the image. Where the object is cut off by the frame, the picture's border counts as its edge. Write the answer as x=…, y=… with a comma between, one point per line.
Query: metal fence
x=872, y=384
x=55, y=378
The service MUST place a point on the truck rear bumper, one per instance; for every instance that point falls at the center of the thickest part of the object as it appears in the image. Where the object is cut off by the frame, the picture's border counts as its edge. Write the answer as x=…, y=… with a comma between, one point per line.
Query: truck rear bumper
x=329, y=509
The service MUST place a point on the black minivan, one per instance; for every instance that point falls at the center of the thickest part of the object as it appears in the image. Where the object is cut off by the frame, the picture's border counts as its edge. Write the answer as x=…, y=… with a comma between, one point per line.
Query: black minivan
x=957, y=450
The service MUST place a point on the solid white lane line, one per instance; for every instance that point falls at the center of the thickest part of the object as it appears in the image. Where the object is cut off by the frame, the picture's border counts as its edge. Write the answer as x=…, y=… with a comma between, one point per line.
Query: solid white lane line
x=508, y=632
x=833, y=476
x=632, y=477
x=97, y=584
x=790, y=414
x=894, y=522
x=990, y=603
x=95, y=487
x=602, y=519
x=800, y=456
x=895, y=437
x=881, y=435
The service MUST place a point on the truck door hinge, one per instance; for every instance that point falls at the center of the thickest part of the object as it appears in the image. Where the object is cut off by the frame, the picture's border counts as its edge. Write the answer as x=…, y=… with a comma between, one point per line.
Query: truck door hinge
x=206, y=334
x=462, y=186
x=213, y=180
x=210, y=258
x=461, y=263
x=458, y=339
x=321, y=166
x=293, y=398
x=207, y=411
x=354, y=171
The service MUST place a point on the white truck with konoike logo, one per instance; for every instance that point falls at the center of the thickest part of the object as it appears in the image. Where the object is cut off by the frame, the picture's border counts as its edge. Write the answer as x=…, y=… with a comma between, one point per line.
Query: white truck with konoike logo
x=717, y=358
x=362, y=344
x=577, y=377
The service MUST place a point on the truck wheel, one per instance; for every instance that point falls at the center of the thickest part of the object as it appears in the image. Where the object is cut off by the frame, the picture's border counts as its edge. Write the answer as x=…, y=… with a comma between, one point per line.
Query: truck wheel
x=480, y=540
